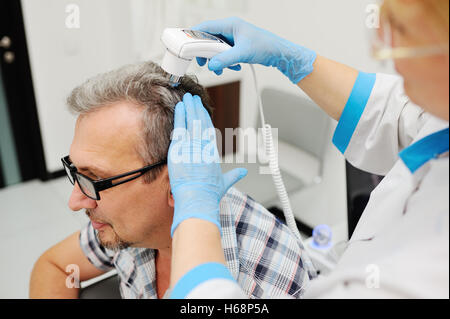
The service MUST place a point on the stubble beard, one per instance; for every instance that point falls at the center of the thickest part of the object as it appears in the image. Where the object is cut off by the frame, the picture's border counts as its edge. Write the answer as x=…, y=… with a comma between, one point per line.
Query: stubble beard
x=115, y=244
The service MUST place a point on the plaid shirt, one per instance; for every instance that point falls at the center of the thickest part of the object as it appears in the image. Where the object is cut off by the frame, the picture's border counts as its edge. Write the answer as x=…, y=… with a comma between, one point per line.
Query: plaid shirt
x=262, y=254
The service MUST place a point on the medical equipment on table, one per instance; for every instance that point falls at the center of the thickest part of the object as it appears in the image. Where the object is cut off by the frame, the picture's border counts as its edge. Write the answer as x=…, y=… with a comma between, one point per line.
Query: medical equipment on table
x=183, y=46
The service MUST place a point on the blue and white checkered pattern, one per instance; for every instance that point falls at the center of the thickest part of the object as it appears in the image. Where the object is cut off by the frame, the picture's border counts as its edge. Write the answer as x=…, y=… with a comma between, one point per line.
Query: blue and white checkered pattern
x=262, y=254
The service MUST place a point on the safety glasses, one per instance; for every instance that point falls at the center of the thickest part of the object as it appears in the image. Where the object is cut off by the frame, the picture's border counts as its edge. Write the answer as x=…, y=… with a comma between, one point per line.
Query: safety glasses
x=383, y=49
x=92, y=188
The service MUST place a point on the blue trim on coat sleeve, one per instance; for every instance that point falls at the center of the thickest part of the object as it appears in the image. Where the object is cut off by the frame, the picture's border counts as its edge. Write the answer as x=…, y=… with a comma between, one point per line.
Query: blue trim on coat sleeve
x=429, y=147
x=353, y=110
x=198, y=275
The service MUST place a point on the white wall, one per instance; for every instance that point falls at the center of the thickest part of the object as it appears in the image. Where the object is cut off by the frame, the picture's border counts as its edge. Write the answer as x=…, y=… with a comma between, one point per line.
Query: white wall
x=62, y=58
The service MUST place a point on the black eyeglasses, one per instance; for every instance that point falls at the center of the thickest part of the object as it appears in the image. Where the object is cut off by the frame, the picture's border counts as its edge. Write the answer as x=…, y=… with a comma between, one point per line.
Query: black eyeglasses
x=91, y=188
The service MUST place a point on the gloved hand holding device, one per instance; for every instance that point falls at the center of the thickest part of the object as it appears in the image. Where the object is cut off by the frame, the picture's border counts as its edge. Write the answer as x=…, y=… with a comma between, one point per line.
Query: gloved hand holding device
x=257, y=46
x=195, y=174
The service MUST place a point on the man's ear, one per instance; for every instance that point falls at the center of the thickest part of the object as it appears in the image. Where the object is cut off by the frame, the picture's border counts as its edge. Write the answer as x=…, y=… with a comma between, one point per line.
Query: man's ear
x=170, y=199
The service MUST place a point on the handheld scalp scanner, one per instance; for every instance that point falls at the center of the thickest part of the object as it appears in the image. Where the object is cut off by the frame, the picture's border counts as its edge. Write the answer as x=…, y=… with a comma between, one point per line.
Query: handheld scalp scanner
x=183, y=46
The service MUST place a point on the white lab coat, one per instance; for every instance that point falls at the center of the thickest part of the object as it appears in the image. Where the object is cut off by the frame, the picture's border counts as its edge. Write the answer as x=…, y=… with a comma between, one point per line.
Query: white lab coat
x=400, y=247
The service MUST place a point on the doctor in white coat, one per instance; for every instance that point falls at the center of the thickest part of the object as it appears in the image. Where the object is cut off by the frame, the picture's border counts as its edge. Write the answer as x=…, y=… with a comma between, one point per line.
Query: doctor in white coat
x=388, y=125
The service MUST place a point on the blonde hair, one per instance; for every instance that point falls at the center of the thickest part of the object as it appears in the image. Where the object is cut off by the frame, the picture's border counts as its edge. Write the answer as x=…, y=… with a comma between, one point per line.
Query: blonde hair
x=435, y=11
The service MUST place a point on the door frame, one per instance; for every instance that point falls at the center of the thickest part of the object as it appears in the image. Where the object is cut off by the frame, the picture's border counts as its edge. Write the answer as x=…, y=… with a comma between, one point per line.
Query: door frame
x=2, y=183
x=19, y=92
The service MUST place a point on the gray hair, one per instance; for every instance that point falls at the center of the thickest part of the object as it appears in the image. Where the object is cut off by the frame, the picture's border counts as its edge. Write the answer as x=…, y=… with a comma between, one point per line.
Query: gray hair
x=145, y=84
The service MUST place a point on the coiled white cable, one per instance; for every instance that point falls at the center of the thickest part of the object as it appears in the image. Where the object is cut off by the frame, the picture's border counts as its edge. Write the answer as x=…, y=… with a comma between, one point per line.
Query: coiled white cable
x=274, y=167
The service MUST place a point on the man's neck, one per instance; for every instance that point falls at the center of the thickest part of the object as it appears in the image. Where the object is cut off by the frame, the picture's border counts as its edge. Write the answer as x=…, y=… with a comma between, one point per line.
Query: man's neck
x=163, y=261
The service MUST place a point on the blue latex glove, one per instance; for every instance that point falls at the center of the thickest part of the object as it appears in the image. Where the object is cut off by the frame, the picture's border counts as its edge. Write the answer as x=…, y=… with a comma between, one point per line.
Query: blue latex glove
x=196, y=178
x=257, y=46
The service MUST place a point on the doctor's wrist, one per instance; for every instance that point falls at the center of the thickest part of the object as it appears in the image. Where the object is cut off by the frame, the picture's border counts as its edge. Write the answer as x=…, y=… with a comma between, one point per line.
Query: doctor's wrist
x=294, y=61
x=205, y=213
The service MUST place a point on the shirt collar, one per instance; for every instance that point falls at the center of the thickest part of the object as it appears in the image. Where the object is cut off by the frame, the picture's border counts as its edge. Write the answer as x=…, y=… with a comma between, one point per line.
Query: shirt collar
x=425, y=149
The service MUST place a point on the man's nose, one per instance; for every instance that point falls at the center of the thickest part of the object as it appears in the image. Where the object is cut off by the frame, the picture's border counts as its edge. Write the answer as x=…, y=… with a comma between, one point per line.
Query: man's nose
x=79, y=201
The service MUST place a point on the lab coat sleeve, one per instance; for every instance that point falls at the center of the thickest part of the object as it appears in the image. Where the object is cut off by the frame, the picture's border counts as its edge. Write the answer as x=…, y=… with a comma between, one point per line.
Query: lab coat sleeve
x=217, y=289
x=377, y=122
x=207, y=281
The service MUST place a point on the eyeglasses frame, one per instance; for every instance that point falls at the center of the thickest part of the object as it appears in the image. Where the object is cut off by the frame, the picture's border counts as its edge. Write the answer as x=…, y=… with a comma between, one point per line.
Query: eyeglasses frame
x=106, y=183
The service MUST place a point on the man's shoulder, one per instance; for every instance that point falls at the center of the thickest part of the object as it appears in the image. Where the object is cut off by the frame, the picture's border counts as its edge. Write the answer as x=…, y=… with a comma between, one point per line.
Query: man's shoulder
x=242, y=205
x=268, y=252
x=250, y=217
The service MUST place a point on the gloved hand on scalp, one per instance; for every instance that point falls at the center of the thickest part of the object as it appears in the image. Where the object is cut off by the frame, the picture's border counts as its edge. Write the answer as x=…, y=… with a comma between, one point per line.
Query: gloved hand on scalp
x=257, y=46
x=195, y=174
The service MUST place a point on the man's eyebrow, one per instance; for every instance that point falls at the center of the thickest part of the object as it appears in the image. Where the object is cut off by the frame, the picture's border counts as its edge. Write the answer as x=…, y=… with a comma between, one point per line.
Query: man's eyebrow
x=93, y=170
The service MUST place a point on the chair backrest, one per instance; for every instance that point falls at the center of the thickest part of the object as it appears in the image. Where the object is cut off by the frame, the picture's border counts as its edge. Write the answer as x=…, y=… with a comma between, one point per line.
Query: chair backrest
x=300, y=121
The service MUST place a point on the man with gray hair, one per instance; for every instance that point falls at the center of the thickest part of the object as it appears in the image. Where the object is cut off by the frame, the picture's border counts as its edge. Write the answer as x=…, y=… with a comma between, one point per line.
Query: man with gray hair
x=117, y=164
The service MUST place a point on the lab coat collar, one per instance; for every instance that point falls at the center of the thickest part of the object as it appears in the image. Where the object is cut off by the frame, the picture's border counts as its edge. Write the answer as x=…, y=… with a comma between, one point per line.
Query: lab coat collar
x=425, y=149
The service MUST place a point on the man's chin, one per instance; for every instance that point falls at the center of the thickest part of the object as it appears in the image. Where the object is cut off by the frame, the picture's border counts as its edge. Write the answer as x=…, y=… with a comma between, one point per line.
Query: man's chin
x=109, y=240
